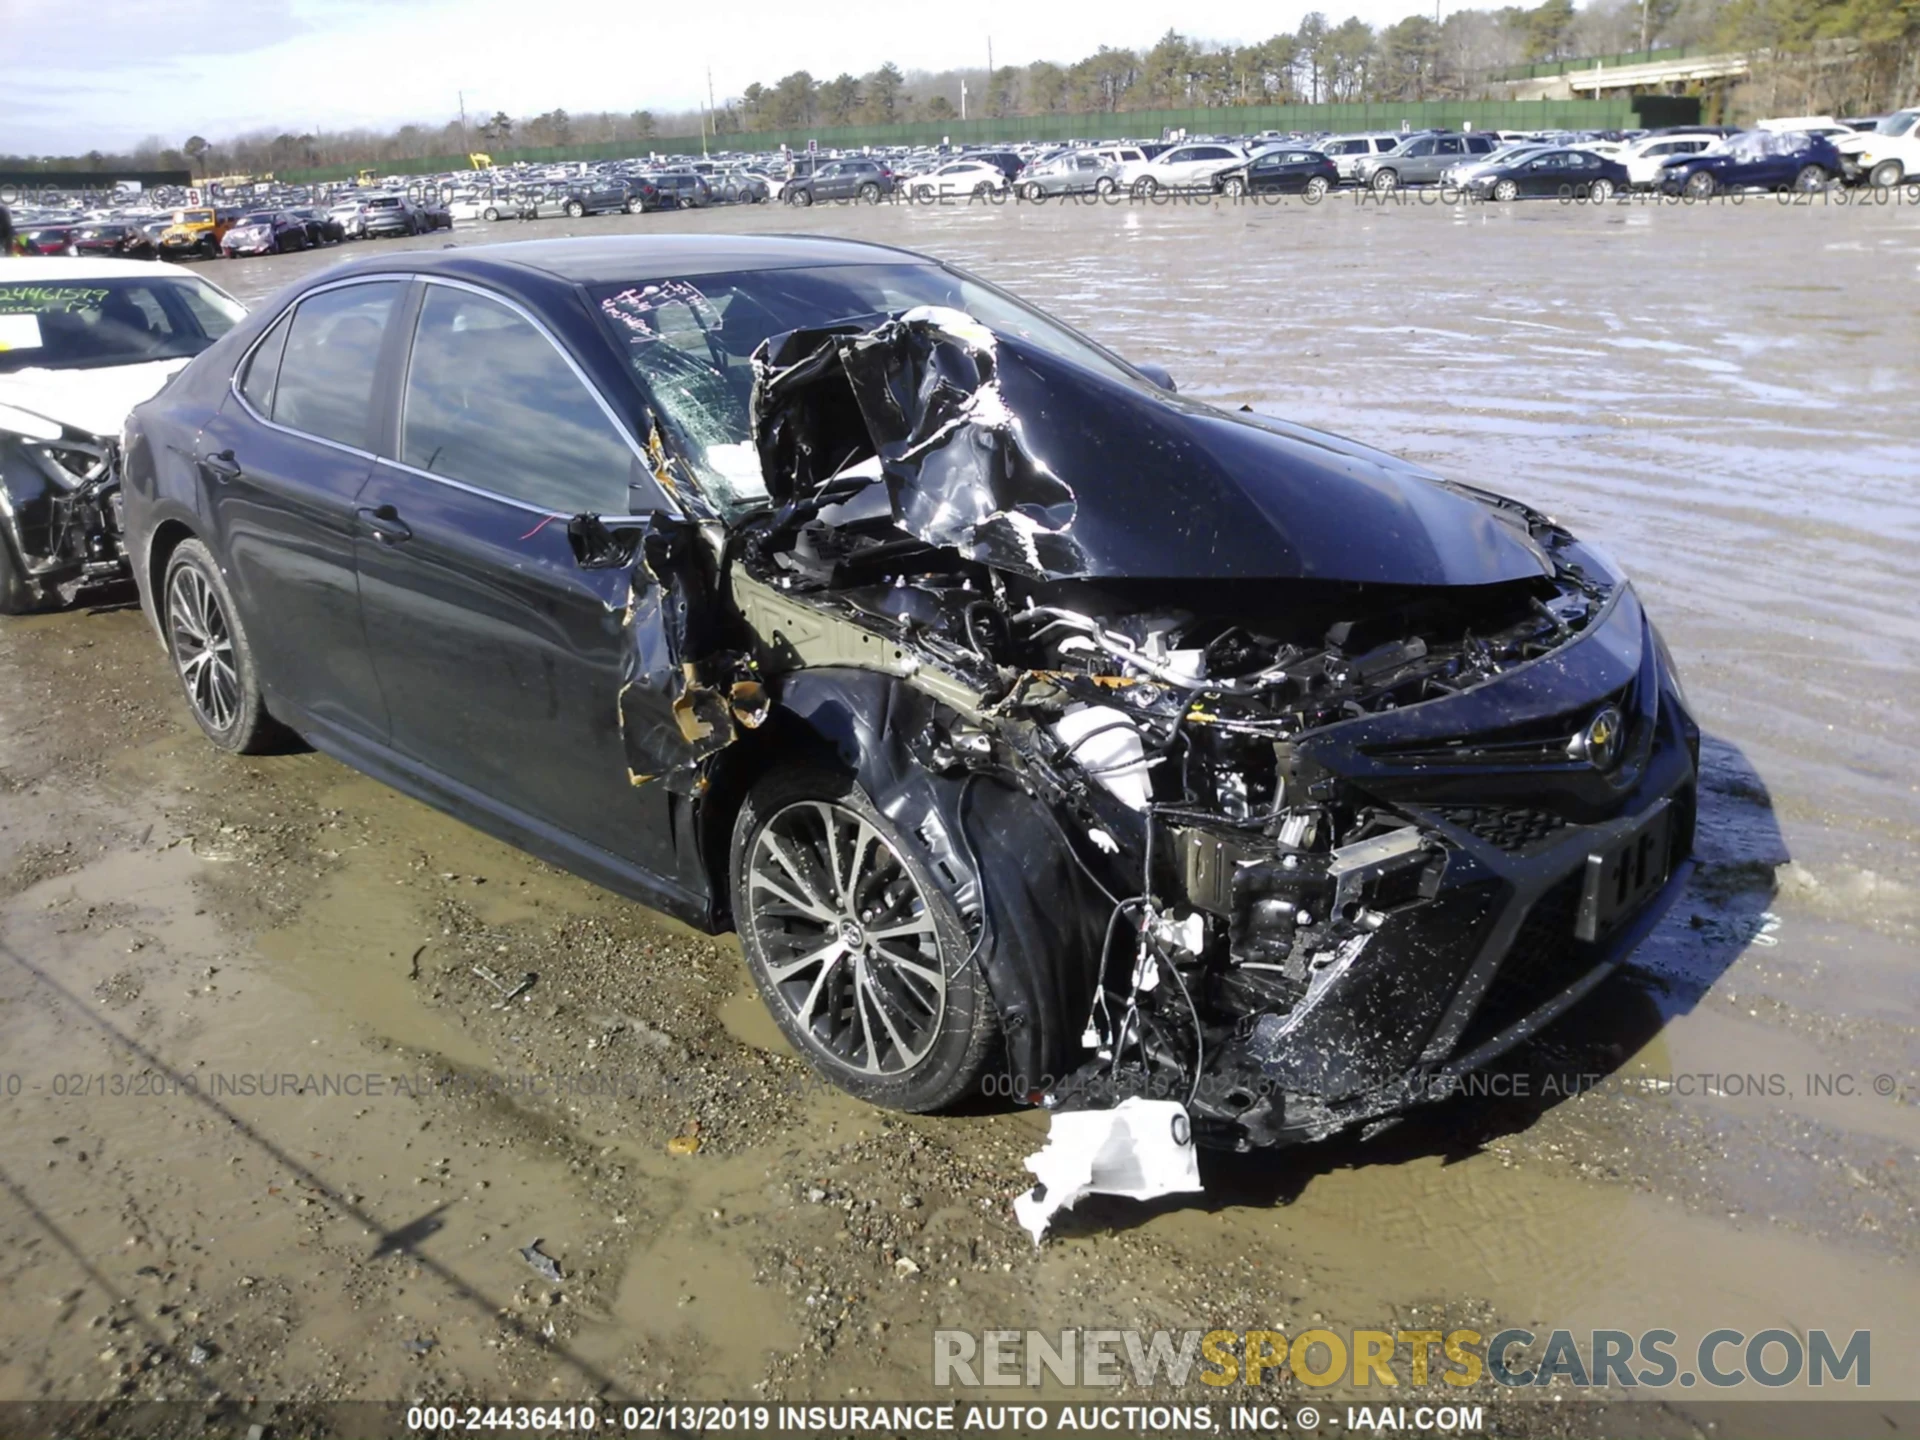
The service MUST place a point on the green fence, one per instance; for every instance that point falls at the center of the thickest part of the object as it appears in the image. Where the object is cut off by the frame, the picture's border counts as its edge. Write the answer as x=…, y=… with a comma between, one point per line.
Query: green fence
x=1608, y=114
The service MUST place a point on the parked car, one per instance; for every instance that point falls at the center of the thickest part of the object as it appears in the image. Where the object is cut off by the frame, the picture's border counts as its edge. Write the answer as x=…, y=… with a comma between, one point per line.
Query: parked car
x=1569, y=173
x=1078, y=172
x=433, y=213
x=1005, y=161
x=1647, y=157
x=48, y=240
x=347, y=216
x=1183, y=167
x=81, y=342
x=959, y=179
x=265, y=232
x=1285, y=171
x=1457, y=175
x=389, y=215
x=1754, y=160
x=736, y=186
x=1421, y=160
x=681, y=189
x=1012, y=708
x=125, y=241
x=856, y=178
x=197, y=231
x=1347, y=151
x=322, y=227
x=1888, y=154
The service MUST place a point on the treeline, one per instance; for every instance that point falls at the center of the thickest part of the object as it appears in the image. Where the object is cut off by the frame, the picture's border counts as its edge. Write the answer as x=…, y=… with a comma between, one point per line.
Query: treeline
x=1811, y=56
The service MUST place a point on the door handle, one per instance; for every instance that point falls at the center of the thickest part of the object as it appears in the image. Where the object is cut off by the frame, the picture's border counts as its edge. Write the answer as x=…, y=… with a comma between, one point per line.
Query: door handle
x=220, y=465
x=385, y=523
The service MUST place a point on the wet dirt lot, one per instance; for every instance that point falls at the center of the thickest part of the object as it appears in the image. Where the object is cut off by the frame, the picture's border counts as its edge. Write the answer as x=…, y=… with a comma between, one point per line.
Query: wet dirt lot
x=269, y=1135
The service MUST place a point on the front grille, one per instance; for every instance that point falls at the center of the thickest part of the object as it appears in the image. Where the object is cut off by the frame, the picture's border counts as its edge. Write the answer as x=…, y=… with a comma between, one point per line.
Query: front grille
x=1544, y=960
x=1515, y=829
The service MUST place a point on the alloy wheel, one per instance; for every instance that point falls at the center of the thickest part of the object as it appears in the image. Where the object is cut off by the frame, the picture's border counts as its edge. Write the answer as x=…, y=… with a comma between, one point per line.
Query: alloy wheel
x=849, y=938
x=203, y=648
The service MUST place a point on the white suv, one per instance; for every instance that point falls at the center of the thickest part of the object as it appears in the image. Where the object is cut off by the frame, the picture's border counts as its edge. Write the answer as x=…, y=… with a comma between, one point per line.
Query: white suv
x=1888, y=154
x=1347, y=151
x=1645, y=157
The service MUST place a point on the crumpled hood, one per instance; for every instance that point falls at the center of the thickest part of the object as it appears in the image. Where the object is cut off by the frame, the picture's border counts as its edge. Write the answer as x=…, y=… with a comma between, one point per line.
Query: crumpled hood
x=1026, y=461
x=96, y=401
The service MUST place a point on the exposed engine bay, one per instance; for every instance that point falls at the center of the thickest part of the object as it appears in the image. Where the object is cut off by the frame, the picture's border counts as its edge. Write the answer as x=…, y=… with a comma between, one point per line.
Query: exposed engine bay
x=59, y=509
x=1315, y=791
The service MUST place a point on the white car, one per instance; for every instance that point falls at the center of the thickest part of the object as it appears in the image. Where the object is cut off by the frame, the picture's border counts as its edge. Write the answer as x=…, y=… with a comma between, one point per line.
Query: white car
x=1192, y=166
x=961, y=179
x=1645, y=157
x=82, y=342
x=1888, y=154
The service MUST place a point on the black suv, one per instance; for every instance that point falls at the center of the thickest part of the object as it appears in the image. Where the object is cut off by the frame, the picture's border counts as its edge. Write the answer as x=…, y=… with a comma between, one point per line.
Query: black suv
x=851, y=179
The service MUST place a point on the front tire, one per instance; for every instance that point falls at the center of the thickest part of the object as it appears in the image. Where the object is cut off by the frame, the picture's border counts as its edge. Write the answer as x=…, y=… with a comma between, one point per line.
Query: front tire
x=211, y=654
x=858, y=953
x=1234, y=188
x=1700, y=185
x=1385, y=182
x=802, y=198
x=1887, y=174
x=1810, y=179
x=1506, y=191
x=15, y=597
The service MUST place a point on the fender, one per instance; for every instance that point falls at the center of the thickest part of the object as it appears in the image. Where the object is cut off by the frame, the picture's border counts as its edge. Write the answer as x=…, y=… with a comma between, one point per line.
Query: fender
x=1039, y=950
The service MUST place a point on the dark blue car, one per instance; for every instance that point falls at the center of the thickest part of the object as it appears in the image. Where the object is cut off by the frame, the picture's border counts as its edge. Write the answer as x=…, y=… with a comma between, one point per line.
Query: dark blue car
x=820, y=591
x=1754, y=160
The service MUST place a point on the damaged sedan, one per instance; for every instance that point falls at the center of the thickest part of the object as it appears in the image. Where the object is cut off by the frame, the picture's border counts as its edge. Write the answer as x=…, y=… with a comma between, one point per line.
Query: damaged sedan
x=82, y=342
x=1038, y=729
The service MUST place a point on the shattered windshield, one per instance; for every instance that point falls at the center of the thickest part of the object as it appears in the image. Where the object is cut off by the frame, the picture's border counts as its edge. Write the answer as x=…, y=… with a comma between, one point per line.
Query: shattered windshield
x=88, y=324
x=691, y=342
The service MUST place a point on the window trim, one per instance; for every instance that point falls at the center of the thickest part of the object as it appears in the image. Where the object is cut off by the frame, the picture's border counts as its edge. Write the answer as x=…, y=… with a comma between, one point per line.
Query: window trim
x=406, y=376
x=404, y=279
x=246, y=358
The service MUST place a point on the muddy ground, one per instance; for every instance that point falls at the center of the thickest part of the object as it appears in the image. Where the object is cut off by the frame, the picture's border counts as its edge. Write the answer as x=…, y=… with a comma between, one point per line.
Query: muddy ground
x=269, y=1137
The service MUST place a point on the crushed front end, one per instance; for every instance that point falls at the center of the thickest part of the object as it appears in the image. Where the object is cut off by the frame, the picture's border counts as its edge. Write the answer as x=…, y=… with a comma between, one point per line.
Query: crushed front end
x=60, y=508
x=1356, y=778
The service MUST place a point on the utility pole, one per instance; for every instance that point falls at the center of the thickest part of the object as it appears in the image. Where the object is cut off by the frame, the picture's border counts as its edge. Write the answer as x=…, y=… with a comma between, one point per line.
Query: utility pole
x=963, y=99
x=712, y=109
x=465, y=144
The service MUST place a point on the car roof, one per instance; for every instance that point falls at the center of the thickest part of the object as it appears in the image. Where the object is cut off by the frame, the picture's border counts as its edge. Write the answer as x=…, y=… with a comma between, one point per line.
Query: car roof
x=605, y=259
x=80, y=267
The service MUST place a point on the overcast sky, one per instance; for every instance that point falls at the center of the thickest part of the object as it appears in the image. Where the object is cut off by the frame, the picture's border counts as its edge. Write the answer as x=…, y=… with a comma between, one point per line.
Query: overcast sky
x=77, y=75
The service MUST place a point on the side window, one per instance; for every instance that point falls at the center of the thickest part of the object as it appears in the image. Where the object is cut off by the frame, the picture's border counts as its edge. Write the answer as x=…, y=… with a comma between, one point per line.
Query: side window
x=1449, y=147
x=491, y=402
x=263, y=369
x=333, y=348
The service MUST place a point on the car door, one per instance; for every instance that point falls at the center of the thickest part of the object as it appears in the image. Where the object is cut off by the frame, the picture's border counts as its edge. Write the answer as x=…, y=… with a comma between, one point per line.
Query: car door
x=832, y=182
x=281, y=467
x=1266, y=175
x=501, y=658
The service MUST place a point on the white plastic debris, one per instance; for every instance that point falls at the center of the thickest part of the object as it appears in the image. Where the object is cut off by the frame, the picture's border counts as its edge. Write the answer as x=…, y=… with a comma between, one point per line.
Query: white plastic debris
x=1140, y=1149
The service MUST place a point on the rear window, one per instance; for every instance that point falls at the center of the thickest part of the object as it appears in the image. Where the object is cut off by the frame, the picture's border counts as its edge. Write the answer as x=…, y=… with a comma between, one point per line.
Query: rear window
x=333, y=350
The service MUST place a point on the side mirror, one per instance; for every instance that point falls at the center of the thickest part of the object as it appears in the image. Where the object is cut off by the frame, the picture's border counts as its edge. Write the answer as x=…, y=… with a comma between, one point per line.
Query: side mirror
x=1158, y=374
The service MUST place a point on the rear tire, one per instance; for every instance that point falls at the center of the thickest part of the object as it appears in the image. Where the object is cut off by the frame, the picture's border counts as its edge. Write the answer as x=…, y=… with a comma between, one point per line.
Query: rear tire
x=1600, y=191
x=211, y=654
x=860, y=956
x=575, y=209
x=1317, y=187
x=870, y=193
x=1105, y=186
